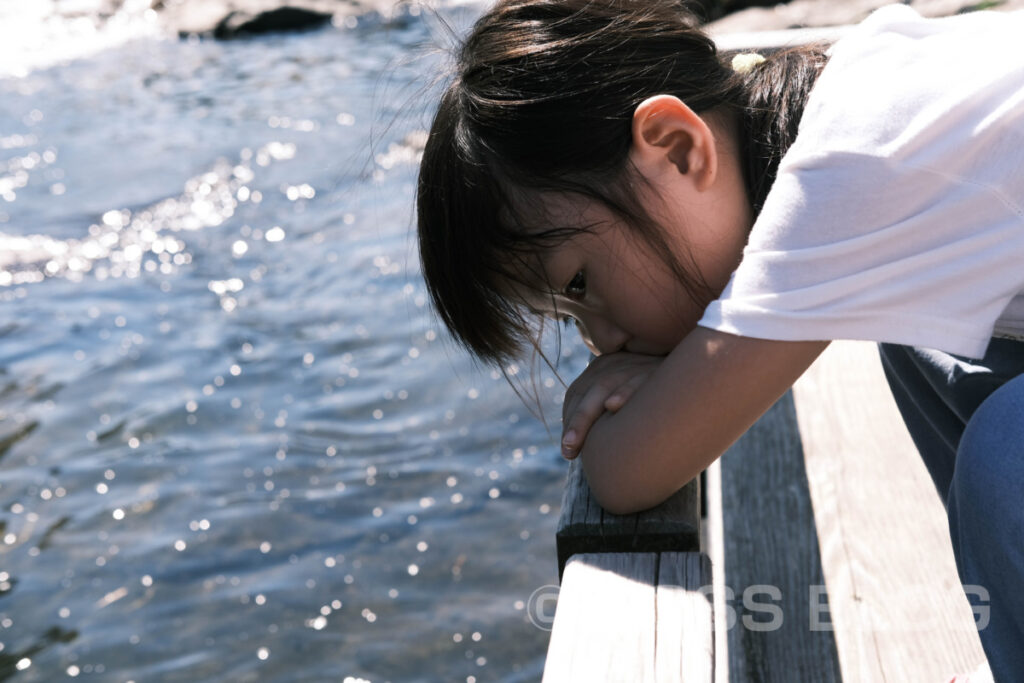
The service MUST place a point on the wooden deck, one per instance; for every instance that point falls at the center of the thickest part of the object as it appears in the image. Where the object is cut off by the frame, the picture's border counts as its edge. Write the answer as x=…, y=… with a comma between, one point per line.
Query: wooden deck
x=830, y=559
x=849, y=528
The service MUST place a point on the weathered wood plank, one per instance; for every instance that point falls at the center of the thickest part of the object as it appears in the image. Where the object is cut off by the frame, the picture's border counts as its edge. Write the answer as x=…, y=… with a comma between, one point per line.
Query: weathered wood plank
x=584, y=527
x=896, y=603
x=773, y=581
x=684, y=649
x=711, y=536
x=604, y=626
x=637, y=617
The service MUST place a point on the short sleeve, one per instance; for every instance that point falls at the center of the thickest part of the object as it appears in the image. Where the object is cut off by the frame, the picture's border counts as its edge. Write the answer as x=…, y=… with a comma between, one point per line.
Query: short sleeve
x=896, y=215
x=859, y=247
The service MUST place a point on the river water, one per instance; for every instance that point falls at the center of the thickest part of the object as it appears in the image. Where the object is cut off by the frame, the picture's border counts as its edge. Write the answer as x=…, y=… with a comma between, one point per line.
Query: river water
x=235, y=443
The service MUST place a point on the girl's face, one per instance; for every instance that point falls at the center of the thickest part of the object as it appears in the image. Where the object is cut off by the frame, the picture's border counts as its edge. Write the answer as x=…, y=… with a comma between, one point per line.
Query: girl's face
x=622, y=295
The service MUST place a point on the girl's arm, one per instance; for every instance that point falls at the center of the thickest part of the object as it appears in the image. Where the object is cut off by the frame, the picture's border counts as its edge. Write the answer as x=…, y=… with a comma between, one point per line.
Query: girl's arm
x=701, y=399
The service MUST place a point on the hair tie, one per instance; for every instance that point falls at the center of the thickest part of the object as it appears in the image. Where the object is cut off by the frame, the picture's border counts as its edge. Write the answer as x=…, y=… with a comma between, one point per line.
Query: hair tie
x=745, y=62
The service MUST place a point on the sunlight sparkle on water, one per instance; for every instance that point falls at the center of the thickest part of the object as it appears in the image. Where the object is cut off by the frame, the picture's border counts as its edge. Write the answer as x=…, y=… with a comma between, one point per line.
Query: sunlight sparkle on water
x=125, y=243
x=322, y=291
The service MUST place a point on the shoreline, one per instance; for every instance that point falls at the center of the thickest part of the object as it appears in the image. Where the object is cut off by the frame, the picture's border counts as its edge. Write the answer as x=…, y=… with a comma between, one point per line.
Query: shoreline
x=229, y=19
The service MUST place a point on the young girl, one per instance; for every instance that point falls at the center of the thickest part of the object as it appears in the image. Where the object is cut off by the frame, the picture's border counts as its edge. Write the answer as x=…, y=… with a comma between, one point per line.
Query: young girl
x=709, y=229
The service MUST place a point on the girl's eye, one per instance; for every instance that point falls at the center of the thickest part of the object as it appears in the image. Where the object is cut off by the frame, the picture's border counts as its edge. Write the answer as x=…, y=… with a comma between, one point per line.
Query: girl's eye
x=577, y=287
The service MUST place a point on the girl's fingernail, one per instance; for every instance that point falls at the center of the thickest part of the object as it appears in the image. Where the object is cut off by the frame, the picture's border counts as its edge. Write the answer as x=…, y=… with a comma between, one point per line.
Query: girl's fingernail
x=568, y=444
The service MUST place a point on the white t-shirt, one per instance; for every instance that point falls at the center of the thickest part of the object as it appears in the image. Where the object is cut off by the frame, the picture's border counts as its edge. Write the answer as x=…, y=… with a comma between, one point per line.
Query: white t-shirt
x=898, y=212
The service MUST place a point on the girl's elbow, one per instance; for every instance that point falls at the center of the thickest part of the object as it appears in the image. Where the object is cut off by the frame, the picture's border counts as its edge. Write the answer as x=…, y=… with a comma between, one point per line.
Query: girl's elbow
x=613, y=493
x=619, y=501
x=621, y=506
x=623, y=485
x=619, y=498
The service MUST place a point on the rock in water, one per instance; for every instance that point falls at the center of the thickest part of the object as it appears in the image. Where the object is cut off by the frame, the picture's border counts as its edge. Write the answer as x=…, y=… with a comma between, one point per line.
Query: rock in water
x=239, y=24
x=709, y=10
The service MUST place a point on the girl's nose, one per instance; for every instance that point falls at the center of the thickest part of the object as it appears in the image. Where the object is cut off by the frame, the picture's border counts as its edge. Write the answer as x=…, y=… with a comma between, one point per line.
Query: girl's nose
x=602, y=335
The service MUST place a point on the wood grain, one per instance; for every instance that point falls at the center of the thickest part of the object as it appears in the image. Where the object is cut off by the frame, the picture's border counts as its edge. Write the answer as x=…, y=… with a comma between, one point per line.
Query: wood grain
x=584, y=527
x=896, y=602
x=636, y=617
x=604, y=627
x=772, y=575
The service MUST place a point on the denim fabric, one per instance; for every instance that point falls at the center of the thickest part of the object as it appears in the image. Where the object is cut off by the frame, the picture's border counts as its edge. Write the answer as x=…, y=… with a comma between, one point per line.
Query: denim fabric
x=967, y=419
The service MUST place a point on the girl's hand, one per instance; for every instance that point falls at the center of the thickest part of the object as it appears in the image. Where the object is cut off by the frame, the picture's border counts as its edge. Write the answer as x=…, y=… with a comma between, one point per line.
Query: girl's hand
x=605, y=386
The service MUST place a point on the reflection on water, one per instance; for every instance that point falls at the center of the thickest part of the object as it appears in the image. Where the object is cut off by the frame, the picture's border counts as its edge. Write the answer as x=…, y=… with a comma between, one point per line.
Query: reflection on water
x=234, y=442
x=123, y=244
x=42, y=33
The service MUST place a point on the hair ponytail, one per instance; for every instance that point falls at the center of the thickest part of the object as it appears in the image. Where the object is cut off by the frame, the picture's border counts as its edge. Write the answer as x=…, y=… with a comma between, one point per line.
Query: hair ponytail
x=776, y=91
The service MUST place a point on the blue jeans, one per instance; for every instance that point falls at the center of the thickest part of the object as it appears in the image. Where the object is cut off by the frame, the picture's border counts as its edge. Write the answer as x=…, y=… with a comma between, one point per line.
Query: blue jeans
x=967, y=419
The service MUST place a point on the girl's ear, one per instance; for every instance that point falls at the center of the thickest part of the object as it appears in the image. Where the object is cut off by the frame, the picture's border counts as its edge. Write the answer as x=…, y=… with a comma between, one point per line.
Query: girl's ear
x=668, y=136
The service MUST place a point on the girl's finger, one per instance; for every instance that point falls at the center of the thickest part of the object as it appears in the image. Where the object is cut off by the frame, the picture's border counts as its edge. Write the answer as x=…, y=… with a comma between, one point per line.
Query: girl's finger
x=623, y=393
x=580, y=418
x=615, y=401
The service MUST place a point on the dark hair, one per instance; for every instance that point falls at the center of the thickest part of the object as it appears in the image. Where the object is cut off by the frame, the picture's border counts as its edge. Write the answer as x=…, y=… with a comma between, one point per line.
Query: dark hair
x=542, y=98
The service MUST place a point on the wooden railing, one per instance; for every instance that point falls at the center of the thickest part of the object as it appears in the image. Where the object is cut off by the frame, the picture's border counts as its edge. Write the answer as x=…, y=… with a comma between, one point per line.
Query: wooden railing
x=630, y=583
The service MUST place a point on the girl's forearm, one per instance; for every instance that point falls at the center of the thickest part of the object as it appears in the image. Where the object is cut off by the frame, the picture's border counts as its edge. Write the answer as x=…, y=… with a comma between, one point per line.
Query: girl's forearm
x=708, y=391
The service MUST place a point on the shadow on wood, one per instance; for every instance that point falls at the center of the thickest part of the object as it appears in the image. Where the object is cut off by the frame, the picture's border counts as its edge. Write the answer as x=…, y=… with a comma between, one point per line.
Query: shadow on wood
x=585, y=527
x=776, y=601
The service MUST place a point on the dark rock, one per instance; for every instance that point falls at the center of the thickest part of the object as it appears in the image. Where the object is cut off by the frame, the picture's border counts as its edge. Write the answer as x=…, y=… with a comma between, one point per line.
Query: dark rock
x=236, y=18
x=709, y=10
x=238, y=24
